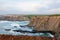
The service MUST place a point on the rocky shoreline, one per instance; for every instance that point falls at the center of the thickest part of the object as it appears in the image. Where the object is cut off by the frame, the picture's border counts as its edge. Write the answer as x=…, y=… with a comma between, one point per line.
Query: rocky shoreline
x=46, y=23
x=39, y=23
x=14, y=18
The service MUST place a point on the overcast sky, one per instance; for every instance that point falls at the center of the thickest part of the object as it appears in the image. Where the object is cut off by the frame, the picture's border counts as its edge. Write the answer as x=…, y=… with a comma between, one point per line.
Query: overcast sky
x=29, y=6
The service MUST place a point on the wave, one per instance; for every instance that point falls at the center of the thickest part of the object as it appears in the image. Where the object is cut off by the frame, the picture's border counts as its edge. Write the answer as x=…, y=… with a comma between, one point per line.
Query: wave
x=3, y=21
x=15, y=24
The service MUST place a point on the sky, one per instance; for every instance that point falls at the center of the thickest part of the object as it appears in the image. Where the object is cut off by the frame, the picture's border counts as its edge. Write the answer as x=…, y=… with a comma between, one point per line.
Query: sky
x=29, y=7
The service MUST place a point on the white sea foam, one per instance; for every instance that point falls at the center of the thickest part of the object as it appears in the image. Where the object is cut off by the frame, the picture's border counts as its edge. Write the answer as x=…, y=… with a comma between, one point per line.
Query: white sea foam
x=51, y=35
x=26, y=28
x=11, y=24
x=15, y=24
x=3, y=21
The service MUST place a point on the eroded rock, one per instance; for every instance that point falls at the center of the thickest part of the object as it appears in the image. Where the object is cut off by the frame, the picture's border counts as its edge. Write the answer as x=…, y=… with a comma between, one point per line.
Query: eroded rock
x=46, y=23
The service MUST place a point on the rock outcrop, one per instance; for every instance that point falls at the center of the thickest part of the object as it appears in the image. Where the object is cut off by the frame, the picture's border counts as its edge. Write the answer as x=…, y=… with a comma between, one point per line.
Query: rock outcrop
x=46, y=23
x=14, y=18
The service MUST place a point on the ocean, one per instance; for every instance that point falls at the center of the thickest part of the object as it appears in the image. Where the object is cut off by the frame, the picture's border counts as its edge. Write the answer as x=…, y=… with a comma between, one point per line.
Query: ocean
x=7, y=27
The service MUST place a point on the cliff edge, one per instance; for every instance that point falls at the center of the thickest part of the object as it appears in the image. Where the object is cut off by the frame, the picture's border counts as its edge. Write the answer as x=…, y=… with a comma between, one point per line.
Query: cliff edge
x=14, y=18
x=46, y=23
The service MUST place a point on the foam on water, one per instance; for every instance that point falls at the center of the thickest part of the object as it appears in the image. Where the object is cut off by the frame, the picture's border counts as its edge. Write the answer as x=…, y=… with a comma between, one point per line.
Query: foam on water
x=16, y=25
x=10, y=25
x=3, y=21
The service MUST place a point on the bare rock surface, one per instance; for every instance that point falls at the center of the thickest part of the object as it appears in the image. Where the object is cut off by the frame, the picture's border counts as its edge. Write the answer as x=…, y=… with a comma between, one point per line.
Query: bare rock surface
x=14, y=18
x=46, y=23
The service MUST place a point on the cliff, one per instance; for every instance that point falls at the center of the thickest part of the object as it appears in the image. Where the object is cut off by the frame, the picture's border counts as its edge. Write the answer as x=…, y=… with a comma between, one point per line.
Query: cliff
x=14, y=18
x=46, y=23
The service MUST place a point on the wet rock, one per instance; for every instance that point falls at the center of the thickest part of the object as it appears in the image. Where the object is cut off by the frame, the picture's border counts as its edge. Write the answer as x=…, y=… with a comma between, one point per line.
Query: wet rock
x=22, y=26
x=7, y=29
x=15, y=26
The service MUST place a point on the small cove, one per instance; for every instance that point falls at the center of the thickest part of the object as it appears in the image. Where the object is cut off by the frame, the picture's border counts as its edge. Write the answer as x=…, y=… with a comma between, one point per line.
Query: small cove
x=7, y=27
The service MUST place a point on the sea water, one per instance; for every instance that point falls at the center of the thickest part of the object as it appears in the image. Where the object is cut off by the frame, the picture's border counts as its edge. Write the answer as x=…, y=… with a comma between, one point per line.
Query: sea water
x=16, y=25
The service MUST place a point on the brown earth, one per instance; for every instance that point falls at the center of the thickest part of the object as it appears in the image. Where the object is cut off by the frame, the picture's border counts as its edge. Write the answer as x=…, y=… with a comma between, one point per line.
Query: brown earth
x=9, y=37
x=46, y=23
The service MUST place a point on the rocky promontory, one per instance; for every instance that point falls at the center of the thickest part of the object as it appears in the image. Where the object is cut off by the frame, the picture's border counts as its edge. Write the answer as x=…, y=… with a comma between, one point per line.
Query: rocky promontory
x=46, y=23
x=14, y=18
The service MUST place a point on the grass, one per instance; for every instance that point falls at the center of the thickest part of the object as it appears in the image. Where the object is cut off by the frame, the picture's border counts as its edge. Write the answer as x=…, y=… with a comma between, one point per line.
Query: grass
x=29, y=16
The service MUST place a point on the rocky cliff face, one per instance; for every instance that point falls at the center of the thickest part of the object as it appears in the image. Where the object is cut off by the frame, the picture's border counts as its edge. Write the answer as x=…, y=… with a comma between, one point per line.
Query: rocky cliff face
x=46, y=23
x=14, y=18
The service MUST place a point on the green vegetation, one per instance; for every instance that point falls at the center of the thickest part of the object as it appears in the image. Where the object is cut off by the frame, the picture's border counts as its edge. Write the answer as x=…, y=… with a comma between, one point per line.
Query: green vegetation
x=55, y=15
x=29, y=16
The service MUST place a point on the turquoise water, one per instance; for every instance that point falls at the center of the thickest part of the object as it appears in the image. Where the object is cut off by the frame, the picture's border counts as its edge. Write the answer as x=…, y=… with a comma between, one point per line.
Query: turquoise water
x=16, y=25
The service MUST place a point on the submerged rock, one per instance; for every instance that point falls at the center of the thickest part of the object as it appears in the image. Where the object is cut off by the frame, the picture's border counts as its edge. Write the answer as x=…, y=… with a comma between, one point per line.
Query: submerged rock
x=7, y=29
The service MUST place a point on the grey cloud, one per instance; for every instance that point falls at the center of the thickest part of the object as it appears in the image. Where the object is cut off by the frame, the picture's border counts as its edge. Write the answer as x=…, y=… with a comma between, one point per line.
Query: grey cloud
x=42, y=10
x=54, y=5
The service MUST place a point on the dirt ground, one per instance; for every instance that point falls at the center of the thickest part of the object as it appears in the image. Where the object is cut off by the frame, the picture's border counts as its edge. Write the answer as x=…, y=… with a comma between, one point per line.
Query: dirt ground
x=10, y=37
